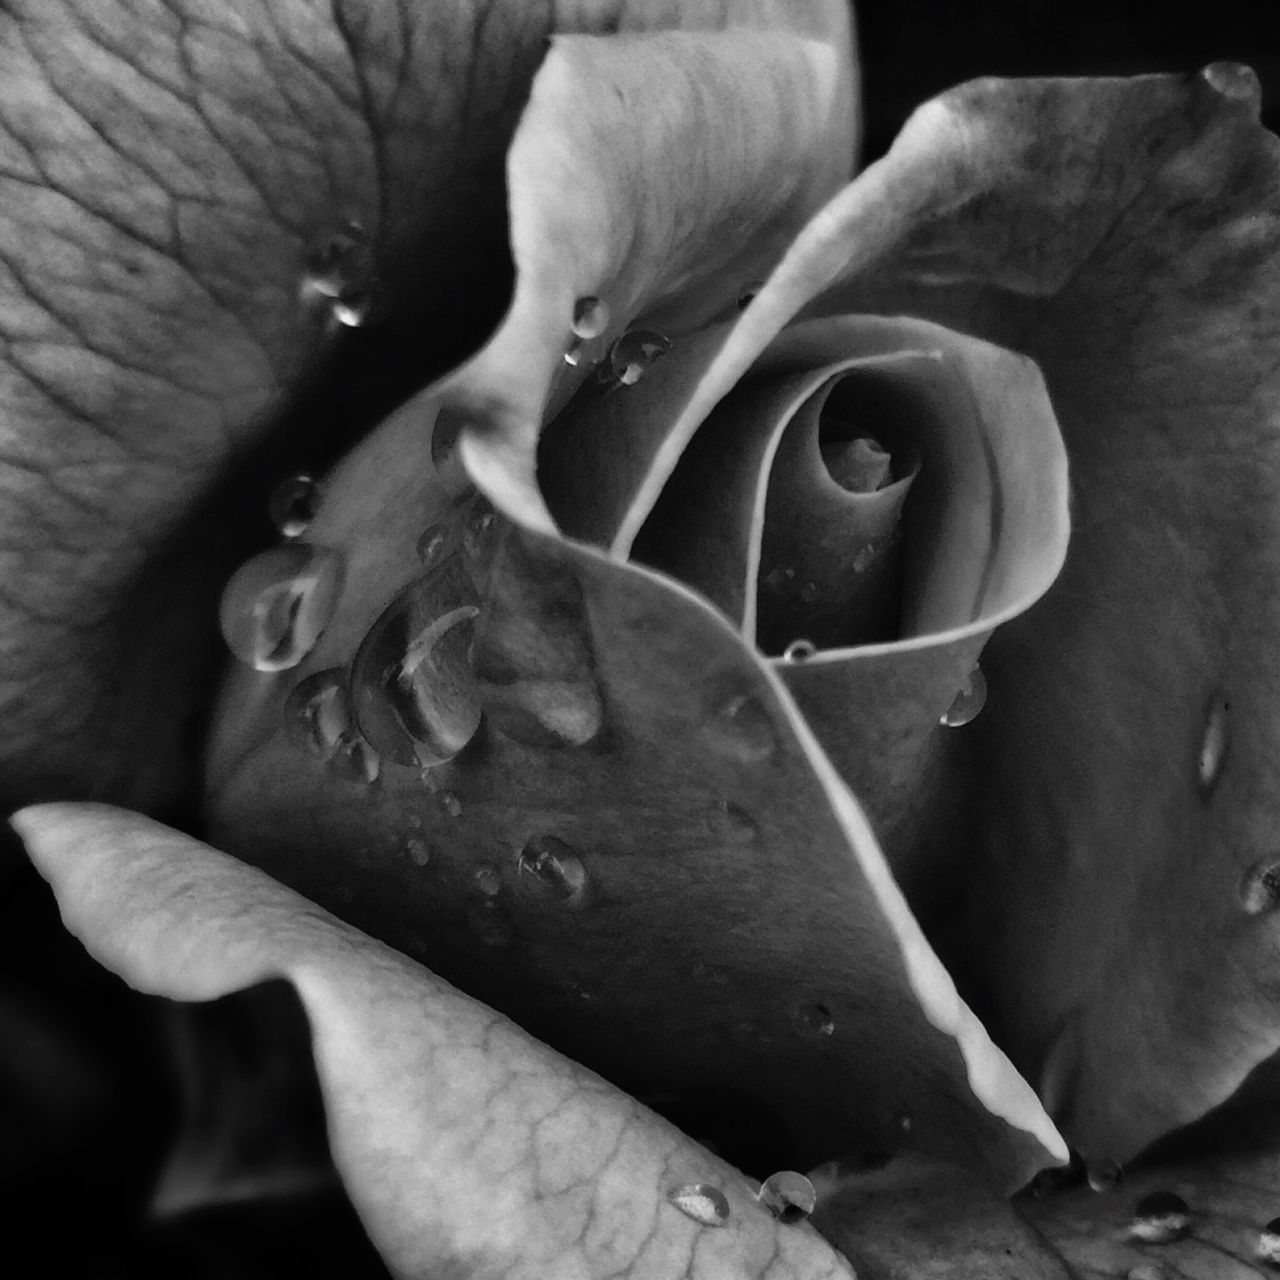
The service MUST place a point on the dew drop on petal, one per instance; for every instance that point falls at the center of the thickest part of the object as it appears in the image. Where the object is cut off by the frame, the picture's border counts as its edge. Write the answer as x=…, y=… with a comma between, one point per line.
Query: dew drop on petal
x=352, y=311
x=702, y=1202
x=970, y=700
x=799, y=651
x=1260, y=888
x=1268, y=1244
x=1104, y=1177
x=789, y=1196
x=412, y=687
x=1160, y=1218
x=317, y=712
x=277, y=605
x=354, y=760
x=1213, y=743
x=418, y=850
x=742, y=730
x=816, y=1020
x=634, y=353
x=450, y=805
x=340, y=263
x=555, y=867
x=489, y=881
x=590, y=318
x=489, y=922
x=1234, y=80
x=480, y=530
x=293, y=504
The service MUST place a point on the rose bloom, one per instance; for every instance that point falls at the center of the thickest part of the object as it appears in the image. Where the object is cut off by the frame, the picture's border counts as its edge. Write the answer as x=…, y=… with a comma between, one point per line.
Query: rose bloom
x=750, y=737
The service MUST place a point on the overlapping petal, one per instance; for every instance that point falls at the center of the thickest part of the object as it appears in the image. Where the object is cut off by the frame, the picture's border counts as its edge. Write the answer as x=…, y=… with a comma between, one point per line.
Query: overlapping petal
x=468, y=1148
x=1124, y=234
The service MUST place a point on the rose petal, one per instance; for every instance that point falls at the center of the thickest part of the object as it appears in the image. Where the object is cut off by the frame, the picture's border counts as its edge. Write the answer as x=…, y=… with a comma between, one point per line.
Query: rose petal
x=1124, y=234
x=685, y=189
x=671, y=816
x=467, y=1147
x=167, y=175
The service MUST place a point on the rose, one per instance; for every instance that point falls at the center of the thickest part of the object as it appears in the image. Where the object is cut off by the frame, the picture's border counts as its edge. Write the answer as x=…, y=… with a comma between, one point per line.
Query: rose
x=1208, y=1079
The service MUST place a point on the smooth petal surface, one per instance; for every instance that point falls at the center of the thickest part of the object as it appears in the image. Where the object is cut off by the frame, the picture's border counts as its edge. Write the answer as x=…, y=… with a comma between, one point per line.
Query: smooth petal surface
x=984, y=534
x=468, y=1148
x=681, y=190
x=1124, y=233
x=167, y=174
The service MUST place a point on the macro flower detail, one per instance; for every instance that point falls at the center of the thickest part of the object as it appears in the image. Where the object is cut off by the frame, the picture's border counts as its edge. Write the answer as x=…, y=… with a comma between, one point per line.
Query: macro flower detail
x=750, y=748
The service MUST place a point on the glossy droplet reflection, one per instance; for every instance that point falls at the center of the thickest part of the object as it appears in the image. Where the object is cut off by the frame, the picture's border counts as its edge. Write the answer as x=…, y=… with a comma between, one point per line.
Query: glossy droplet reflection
x=412, y=688
x=1160, y=1218
x=1213, y=743
x=740, y=728
x=317, y=712
x=341, y=270
x=1234, y=80
x=704, y=1203
x=635, y=353
x=1267, y=1247
x=816, y=1020
x=555, y=867
x=789, y=1196
x=489, y=881
x=293, y=504
x=450, y=805
x=278, y=604
x=799, y=651
x=590, y=318
x=1104, y=1177
x=970, y=700
x=431, y=546
x=418, y=850
x=1260, y=888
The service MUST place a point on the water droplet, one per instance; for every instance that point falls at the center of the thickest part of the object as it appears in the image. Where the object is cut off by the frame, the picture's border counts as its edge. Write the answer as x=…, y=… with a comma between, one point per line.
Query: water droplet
x=1260, y=888
x=411, y=683
x=748, y=293
x=702, y=1202
x=419, y=850
x=739, y=826
x=816, y=1019
x=293, y=504
x=590, y=318
x=799, y=651
x=354, y=760
x=556, y=867
x=489, y=923
x=1104, y=1177
x=1268, y=1246
x=1213, y=743
x=789, y=1196
x=741, y=729
x=352, y=311
x=636, y=352
x=342, y=270
x=1146, y=1271
x=1160, y=1218
x=903, y=1122
x=450, y=804
x=489, y=881
x=1234, y=80
x=481, y=528
x=277, y=605
x=317, y=712
x=971, y=698
x=431, y=546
